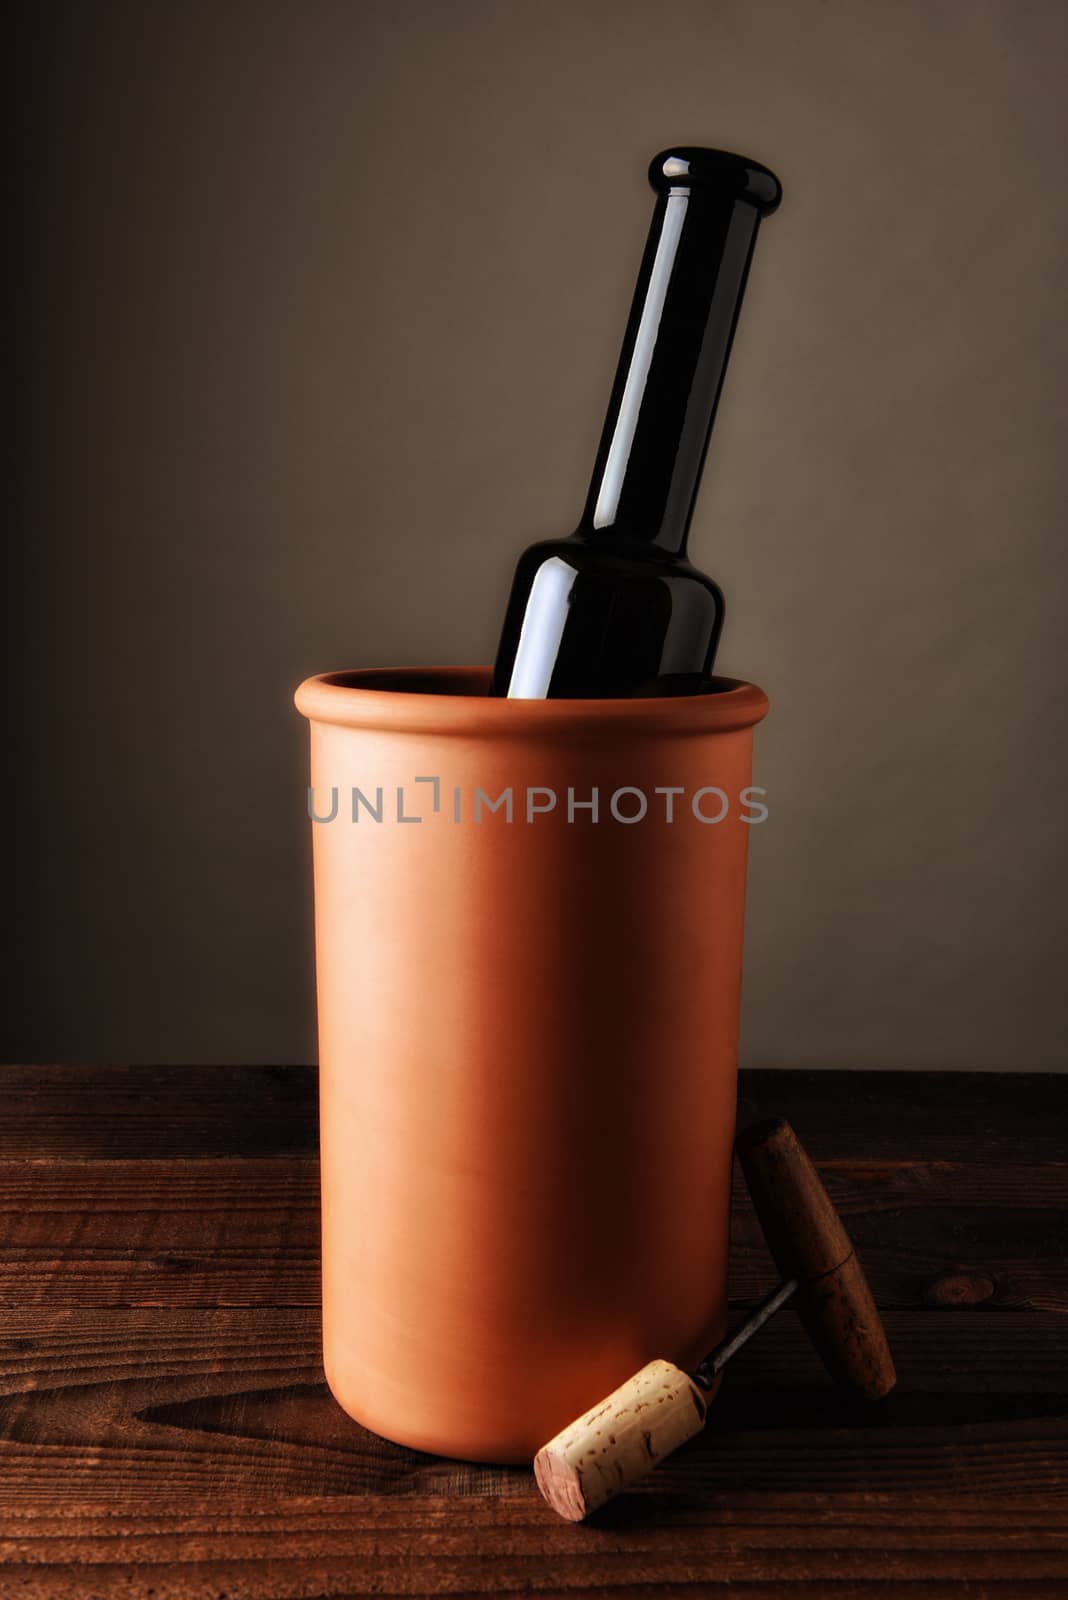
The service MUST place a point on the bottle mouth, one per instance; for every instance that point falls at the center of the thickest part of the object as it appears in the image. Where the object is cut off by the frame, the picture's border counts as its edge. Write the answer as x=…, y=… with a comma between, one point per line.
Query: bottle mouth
x=687, y=167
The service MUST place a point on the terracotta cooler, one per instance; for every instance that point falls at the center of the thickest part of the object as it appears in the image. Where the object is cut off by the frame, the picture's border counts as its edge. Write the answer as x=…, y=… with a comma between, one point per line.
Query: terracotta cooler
x=528, y=1040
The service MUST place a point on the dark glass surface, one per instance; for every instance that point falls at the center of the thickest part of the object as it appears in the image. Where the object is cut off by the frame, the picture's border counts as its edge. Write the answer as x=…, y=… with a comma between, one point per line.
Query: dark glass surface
x=616, y=609
x=599, y=622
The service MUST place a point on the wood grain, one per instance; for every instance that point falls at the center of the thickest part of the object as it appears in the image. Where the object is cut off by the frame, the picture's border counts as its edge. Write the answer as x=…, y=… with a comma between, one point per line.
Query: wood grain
x=382, y=1546
x=148, y=1113
x=166, y=1431
x=156, y=1113
x=138, y=1403
x=232, y=1231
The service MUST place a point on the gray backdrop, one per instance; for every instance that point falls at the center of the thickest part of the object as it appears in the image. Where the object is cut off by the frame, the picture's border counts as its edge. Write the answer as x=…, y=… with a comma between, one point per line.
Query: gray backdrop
x=320, y=304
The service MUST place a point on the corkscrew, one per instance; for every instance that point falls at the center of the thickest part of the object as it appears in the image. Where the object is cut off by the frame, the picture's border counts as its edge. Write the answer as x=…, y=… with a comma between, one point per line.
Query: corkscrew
x=617, y=1441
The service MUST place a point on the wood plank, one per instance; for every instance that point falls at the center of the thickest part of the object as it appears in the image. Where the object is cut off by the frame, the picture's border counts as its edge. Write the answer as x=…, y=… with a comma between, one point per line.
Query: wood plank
x=245, y=1231
x=159, y=1348
x=136, y=1113
x=131, y=1405
x=297, y=1548
x=151, y=1113
x=969, y=1117
x=216, y=1232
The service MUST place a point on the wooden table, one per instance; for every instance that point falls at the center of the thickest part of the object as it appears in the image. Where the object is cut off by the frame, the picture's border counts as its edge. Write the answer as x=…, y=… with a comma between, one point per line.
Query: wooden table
x=165, y=1429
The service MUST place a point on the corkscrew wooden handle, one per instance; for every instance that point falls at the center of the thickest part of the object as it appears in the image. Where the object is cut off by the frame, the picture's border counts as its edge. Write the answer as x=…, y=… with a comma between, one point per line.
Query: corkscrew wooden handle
x=809, y=1242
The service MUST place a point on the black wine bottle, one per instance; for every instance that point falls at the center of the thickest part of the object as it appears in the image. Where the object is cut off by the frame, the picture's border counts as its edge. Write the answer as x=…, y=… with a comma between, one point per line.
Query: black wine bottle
x=615, y=609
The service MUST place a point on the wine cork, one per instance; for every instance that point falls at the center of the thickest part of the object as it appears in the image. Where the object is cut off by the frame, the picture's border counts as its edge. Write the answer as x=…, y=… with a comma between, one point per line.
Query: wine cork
x=619, y=1440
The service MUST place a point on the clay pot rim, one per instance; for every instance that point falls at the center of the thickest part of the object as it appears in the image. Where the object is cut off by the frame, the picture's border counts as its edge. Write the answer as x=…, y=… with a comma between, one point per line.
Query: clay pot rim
x=454, y=700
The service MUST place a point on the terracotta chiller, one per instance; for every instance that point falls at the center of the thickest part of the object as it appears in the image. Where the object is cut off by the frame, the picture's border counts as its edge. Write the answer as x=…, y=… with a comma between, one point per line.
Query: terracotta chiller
x=528, y=946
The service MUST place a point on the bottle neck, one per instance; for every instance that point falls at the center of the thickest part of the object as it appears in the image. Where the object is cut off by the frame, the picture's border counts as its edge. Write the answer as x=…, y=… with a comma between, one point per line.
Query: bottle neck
x=671, y=368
